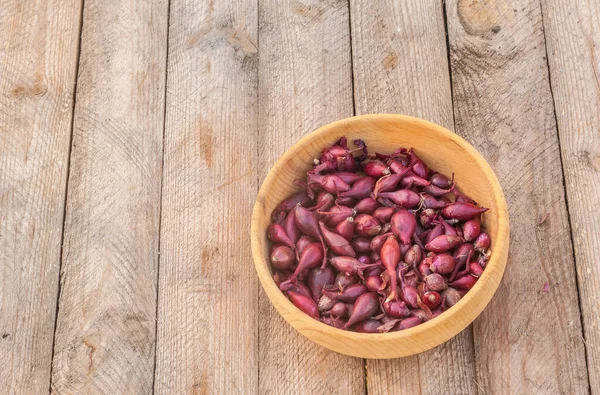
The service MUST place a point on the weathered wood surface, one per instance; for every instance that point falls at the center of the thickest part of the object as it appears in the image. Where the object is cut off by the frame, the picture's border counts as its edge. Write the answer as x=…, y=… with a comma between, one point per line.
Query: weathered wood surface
x=38, y=62
x=401, y=66
x=104, y=340
x=526, y=340
x=236, y=84
x=207, y=339
x=305, y=81
x=573, y=41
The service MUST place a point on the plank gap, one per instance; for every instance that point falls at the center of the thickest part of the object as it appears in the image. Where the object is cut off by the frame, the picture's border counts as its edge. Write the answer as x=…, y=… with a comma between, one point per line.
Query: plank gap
x=566, y=197
x=64, y=215
x=447, y=37
x=162, y=175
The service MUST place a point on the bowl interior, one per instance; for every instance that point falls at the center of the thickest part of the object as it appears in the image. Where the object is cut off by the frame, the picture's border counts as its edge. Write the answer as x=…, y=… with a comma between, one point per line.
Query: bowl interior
x=443, y=151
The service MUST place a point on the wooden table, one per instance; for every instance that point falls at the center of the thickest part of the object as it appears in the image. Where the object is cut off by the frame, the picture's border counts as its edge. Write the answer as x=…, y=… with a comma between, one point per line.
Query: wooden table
x=134, y=135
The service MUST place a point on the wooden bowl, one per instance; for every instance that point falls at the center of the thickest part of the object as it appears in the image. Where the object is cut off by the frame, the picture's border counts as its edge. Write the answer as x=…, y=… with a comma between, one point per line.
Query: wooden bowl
x=443, y=151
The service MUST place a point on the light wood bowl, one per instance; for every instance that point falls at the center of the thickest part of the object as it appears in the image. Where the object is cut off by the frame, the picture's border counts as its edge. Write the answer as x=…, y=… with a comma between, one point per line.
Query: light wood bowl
x=443, y=151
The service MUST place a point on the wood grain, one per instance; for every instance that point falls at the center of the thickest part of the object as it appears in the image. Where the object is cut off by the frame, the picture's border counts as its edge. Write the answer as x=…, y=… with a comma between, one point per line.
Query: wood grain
x=38, y=61
x=401, y=66
x=527, y=340
x=305, y=82
x=105, y=333
x=573, y=39
x=207, y=340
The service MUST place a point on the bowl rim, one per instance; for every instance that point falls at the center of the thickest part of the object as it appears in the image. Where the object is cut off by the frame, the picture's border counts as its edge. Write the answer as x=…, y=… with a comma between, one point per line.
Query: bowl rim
x=499, y=260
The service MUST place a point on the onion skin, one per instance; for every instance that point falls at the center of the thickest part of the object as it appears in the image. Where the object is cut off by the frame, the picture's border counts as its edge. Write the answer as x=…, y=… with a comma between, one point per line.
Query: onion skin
x=336, y=322
x=413, y=256
x=292, y=201
x=462, y=255
x=387, y=183
x=475, y=269
x=317, y=278
x=299, y=288
x=374, y=256
x=418, y=166
x=462, y=198
x=366, y=225
x=365, y=306
x=310, y=258
x=365, y=259
x=306, y=304
x=361, y=189
x=342, y=281
x=325, y=201
x=375, y=270
x=411, y=179
x=390, y=256
x=366, y=206
x=325, y=303
x=346, y=228
x=451, y=297
x=377, y=242
x=443, y=264
x=302, y=242
x=403, y=197
x=338, y=244
x=397, y=167
x=339, y=309
x=348, y=295
x=432, y=299
x=361, y=244
x=404, y=225
x=407, y=323
x=482, y=242
x=349, y=265
x=336, y=214
x=471, y=229
x=409, y=296
x=375, y=168
x=435, y=282
x=396, y=309
x=440, y=181
x=282, y=257
x=443, y=243
x=449, y=230
x=462, y=211
x=331, y=183
x=347, y=176
x=277, y=234
x=308, y=224
x=430, y=202
x=465, y=282
x=289, y=224
x=383, y=214
x=436, y=231
x=344, y=201
x=437, y=191
x=374, y=283
x=424, y=268
x=426, y=217
x=367, y=326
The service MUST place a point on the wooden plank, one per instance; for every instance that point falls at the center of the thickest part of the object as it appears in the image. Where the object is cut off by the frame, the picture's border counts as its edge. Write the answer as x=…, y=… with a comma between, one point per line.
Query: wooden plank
x=105, y=333
x=527, y=340
x=207, y=340
x=305, y=82
x=572, y=38
x=38, y=62
x=402, y=67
